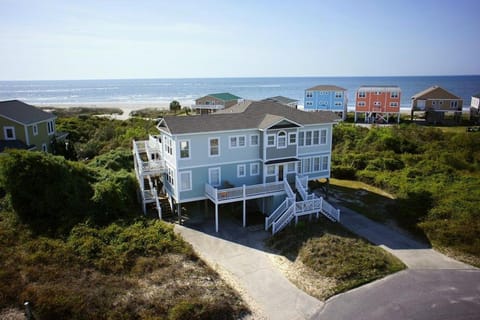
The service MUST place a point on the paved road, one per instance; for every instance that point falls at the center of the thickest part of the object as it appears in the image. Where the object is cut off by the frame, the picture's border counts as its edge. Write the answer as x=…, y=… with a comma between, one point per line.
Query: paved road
x=411, y=294
x=241, y=254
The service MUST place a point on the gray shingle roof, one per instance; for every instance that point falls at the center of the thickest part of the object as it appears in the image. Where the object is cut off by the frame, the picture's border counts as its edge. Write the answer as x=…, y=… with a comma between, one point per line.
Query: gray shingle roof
x=435, y=92
x=23, y=113
x=281, y=99
x=326, y=87
x=245, y=115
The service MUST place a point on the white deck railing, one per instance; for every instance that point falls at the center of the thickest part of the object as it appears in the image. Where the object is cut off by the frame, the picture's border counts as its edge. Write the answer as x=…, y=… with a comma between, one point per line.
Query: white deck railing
x=275, y=214
x=330, y=211
x=244, y=192
x=284, y=219
x=149, y=166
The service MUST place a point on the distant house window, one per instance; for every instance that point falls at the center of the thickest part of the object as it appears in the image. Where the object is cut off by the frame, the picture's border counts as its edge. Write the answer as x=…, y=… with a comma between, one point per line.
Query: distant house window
x=453, y=104
x=214, y=147
x=254, y=169
x=301, y=138
x=35, y=129
x=338, y=94
x=44, y=147
x=434, y=102
x=282, y=140
x=393, y=104
x=185, y=149
x=241, y=171
x=377, y=93
x=323, y=136
x=50, y=127
x=338, y=104
x=292, y=138
x=306, y=165
x=214, y=176
x=271, y=140
x=361, y=94
x=9, y=133
x=237, y=142
x=394, y=94
x=185, y=181
x=441, y=101
x=361, y=103
x=323, y=103
x=377, y=103
x=254, y=140
x=309, y=94
x=309, y=103
x=270, y=170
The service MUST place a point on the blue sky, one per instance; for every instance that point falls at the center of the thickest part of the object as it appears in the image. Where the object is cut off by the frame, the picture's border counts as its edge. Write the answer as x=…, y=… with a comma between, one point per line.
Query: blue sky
x=108, y=39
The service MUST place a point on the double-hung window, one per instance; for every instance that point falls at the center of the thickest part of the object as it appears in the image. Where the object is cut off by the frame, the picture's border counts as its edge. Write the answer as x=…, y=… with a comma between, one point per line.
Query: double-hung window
x=9, y=133
x=292, y=138
x=301, y=138
x=237, y=142
x=254, y=140
x=308, y=138
x=271, y=140
x=184, y=149
x=214, y=176
x=185, y=181
x=323, y=136
x=254, y=169
x=214, y=147
x=50, y=127
x=316, y=136
x=241, y=171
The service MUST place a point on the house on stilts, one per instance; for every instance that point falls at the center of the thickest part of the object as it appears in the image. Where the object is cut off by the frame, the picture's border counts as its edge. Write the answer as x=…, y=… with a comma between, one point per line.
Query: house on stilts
x=259, y=151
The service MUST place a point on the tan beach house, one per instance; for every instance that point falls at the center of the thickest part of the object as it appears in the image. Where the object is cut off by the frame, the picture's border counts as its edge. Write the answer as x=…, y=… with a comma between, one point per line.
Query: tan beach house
x=435, y=102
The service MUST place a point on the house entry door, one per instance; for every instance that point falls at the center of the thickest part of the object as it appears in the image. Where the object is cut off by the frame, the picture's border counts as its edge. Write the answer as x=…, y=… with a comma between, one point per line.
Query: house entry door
x=280, y=172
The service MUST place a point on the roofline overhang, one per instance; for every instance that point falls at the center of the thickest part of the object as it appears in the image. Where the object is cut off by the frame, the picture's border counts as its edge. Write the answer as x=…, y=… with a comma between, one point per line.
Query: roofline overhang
x=30, y=123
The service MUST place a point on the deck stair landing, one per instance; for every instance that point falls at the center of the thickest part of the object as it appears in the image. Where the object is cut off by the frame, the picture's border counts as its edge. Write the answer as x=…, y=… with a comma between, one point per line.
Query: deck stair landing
x=291, y=208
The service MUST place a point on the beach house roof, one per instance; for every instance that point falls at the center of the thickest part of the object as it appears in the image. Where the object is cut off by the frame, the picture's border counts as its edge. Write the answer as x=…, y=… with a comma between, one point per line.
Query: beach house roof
x=23, y=113
x=224, y=96
x=281, y=99
x=245, y=115
x=326, y=87
x=435, y=92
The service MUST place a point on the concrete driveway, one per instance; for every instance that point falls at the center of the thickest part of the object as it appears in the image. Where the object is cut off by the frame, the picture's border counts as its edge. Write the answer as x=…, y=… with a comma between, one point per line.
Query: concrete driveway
x=238, y=253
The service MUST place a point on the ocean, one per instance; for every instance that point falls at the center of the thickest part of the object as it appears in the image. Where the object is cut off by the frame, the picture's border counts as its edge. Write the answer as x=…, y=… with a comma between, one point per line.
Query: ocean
x=162, y=91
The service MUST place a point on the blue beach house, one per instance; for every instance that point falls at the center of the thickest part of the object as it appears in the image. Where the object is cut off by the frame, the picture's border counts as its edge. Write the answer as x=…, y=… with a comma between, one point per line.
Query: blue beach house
x=253, y=151
x=327, y=98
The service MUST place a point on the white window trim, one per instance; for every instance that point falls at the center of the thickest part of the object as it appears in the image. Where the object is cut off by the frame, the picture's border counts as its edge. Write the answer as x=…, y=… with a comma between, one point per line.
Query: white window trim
x=294, y=167
x=253, y=165
x=52, y=124
x=271, y=174
x=309, y=103
x=258, y=140
x=274, y=140
x=189, y=187
x=237, y=139
x=362, y=94
x=290, y=135
x=239, y=166
x=180, y=149
x=209, y=147
x=35, y=130
x=210, y=170
x=285, y=136
x=326, y=137
x=5, y=133
x=309, y=94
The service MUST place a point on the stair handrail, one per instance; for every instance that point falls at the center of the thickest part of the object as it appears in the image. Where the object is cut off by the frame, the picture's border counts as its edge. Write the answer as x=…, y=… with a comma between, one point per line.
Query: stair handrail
x=276, y=213
x=284, y=219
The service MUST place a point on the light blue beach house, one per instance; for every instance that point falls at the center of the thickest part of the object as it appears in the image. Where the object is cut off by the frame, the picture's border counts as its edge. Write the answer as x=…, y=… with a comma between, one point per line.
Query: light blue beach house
x=252, y=151
x=328, y=98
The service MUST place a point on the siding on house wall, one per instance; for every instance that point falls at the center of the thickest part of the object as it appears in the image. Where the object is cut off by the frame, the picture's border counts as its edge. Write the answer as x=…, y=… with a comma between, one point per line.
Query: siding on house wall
x=19, y=129
x=42, y=137
x=325, y=100
x=290, y=151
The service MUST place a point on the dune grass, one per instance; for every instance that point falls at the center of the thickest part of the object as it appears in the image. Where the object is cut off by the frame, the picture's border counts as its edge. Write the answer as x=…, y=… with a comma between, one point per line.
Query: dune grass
x=329, y=250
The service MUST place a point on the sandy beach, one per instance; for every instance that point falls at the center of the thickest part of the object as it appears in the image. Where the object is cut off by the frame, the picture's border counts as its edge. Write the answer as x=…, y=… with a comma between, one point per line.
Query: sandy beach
x=126, y=107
